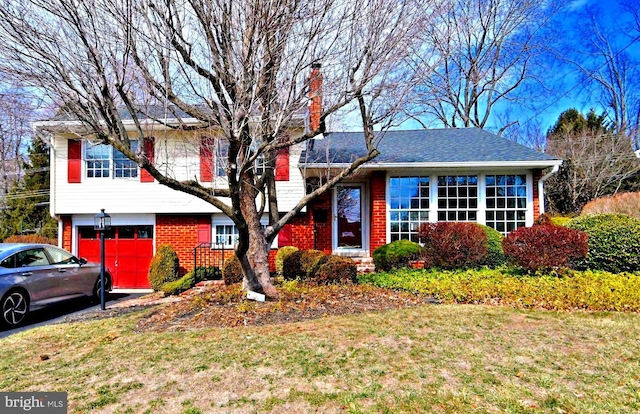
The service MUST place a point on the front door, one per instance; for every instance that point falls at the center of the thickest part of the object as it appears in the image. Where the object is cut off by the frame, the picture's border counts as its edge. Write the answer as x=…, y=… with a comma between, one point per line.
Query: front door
x=349, y=224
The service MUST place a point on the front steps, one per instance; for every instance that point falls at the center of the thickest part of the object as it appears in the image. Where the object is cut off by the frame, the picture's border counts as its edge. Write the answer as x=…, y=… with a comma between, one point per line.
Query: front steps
x=364, y=264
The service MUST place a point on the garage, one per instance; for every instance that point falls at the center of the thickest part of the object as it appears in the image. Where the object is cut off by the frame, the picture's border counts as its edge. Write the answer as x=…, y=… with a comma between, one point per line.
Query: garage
x=128, y=252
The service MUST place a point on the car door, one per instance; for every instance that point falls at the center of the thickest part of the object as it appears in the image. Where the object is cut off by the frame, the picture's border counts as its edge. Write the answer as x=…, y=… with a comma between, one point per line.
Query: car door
x=33, y=264
x=72, y=278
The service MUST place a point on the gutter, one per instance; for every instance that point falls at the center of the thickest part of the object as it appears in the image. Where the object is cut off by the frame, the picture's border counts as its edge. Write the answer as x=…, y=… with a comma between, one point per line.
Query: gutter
x=555, y=169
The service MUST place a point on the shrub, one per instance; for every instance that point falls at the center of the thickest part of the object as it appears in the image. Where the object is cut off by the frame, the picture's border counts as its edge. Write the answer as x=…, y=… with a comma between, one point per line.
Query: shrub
x=163, y=267
x=208, y=273
x=452, y=245
x=495, y=254
x=333, y=269
x=232, y=271
x=624, y=203
x=589, y=290
x=396, y=254
x=185, y=283
x=560, y=221
x=282, y=254
x=30, y=238
x=614, y=242
x=298, y=264
x=545, y=247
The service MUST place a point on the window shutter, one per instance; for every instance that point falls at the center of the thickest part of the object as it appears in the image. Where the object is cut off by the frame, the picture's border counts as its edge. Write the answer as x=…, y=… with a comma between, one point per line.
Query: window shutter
x=282, y=165
x=74, y=161
x=285, y=236
x=204, y=230
x=206, y=159
x=149, y=150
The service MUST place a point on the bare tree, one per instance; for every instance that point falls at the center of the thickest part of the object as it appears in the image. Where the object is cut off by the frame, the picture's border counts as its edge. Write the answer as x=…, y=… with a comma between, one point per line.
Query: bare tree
x=16, y=112
x=477, y=54
x=241, y=68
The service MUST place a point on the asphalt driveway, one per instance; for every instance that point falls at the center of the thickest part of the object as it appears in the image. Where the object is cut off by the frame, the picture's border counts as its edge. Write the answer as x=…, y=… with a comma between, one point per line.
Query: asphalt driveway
x=59, y=312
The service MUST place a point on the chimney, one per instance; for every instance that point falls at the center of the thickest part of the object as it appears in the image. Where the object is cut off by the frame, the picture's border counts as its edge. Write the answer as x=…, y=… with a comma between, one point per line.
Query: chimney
x=315, y=94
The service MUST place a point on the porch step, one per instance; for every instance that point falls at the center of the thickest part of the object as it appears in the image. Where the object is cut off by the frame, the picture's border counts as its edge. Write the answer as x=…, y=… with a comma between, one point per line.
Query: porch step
x=364, y=264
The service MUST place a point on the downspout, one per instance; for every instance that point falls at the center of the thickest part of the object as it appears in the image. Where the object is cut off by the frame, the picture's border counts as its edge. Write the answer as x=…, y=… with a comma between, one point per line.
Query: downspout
x=541, y=181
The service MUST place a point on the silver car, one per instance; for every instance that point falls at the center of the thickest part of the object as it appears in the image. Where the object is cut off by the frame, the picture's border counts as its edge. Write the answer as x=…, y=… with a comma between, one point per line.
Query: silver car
x=33, y=276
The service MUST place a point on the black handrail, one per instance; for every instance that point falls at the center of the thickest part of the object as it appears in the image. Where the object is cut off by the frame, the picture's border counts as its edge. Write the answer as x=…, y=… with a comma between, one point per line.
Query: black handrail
x=208, y=254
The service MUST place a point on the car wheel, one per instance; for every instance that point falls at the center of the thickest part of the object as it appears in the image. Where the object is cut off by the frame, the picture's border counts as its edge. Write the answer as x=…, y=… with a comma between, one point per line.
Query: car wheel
x=15, y=306
x=97, y=288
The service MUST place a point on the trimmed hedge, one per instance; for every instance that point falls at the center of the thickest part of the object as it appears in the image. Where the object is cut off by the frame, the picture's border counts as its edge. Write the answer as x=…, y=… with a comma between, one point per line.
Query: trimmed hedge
x=298, y=264
x=495, y=254
x=185, y=283
x=614, y=242
x=232, y=271
x=623, y=203
x=333, y=269
x=31, y=239
x=163, y=267
x=281, y=255
x=587, y=290
x=545, y=247
x=453, y=245
x=396, y=254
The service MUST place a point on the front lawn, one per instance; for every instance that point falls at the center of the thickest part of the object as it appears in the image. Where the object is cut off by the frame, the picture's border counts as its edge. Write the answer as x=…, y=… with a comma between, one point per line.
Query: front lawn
x=420, y=358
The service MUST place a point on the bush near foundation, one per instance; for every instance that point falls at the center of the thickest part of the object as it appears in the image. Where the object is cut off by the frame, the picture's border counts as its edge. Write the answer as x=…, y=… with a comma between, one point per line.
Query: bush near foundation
x=298, y=264
x=31, y=239
x=183, y=284
x=281, y=255
x=614, y=242
x=453, y=245
x=495, y=254
x=333, y=269
x=545, y=247
x=232, y=271
x=396, y=254
x=163, y=267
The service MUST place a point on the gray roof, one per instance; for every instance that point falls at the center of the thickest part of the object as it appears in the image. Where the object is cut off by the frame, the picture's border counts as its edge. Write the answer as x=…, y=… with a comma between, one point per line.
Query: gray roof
x=425, y=147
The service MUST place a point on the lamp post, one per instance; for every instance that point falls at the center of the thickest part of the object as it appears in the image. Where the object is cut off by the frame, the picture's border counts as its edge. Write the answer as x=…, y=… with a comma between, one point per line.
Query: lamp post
x=102, y=222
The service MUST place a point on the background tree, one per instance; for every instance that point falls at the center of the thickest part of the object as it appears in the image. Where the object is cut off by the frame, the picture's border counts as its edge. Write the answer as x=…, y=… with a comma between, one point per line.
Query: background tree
x=15, y=129
x=478, y=54
x=239, y=67
x=26, y=205
x=598, y=161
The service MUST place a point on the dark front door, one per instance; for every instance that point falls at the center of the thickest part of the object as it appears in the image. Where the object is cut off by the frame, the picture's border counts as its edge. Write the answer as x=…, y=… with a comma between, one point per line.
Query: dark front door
x=349, y=224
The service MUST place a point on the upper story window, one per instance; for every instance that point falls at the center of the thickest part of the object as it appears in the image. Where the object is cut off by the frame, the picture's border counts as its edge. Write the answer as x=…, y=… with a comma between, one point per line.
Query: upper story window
x=221, y=157
x=104, y=161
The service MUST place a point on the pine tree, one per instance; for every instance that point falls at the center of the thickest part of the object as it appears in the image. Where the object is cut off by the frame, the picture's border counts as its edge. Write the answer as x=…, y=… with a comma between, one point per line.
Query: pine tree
x=26, y=205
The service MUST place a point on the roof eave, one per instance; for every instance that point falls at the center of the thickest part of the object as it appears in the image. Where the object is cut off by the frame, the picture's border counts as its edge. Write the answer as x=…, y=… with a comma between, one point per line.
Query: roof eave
x=458, y=164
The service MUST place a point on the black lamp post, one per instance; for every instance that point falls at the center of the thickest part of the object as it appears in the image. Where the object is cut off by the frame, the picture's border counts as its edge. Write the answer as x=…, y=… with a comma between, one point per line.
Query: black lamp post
x=102, y=222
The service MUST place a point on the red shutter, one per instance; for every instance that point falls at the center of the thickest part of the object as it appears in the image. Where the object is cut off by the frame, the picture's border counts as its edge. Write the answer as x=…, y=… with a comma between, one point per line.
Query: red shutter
x=206, y=159
x=149, y=150
x=282, y=165
x=74, y=165
x=285, y=236
x=204, y=230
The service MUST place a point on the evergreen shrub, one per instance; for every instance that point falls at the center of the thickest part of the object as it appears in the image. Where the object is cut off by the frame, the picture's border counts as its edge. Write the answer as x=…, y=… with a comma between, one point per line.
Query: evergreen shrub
x=614, y=242
x=185, y=283
x=298, y=264
x=164, y=267
x=396, y=254
x=545, y=247
x=281, y=255
x=495, y=254
x=334, y=269
x=31, y=239
x=232, y=271
x=453, y=245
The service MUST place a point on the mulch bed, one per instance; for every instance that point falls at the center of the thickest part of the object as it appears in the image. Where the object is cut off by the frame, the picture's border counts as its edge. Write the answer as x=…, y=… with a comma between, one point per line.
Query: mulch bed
x=227, y=306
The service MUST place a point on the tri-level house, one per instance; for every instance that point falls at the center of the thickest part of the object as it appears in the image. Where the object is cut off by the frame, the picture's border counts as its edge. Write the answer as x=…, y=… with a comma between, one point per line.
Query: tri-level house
x=420, y=176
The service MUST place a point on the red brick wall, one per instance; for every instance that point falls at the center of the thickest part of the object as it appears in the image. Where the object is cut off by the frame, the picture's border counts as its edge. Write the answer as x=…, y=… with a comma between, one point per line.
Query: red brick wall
x=315, y=93
x=377, y=186
x=302, y=235
x=181, y=233
x=537, y=174
x=67, y=232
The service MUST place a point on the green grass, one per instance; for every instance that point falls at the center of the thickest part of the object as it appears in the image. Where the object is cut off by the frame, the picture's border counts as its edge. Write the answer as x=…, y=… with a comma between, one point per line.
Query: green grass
x=432, y=358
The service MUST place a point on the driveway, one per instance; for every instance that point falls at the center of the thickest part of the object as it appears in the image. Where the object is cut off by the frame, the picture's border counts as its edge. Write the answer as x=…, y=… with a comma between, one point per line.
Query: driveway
x=70, y=309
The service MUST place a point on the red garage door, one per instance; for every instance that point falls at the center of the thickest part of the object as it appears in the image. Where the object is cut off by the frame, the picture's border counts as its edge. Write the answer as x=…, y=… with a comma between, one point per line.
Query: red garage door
x=128, y=252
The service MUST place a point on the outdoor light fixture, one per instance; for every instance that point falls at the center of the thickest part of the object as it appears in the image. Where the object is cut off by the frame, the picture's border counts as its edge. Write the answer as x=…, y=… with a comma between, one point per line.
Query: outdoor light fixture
x=101, y=223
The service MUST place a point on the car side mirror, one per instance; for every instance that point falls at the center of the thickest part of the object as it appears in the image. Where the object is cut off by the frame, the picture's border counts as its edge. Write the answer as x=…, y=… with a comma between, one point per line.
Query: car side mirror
x=82, y=261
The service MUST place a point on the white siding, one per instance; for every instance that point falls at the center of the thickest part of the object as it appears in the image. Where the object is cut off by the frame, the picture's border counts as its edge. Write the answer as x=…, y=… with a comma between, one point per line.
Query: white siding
x=177, y=157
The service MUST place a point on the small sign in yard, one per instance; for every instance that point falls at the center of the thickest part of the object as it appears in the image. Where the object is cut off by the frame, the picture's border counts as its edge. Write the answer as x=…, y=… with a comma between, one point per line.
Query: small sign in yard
x=258, y=297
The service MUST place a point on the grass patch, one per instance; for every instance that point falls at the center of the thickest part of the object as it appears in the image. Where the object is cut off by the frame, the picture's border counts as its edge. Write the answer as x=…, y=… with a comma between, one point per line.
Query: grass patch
x=571, y=290
x=445, y=358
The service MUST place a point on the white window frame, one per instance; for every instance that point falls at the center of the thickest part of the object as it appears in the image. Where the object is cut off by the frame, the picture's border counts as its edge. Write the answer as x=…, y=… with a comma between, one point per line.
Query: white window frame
x=111, y=160
x=225, y=221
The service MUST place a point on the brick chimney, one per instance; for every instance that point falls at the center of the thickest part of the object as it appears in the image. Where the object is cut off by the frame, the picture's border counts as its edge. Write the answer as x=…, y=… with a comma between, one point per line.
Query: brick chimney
x=315, y=94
